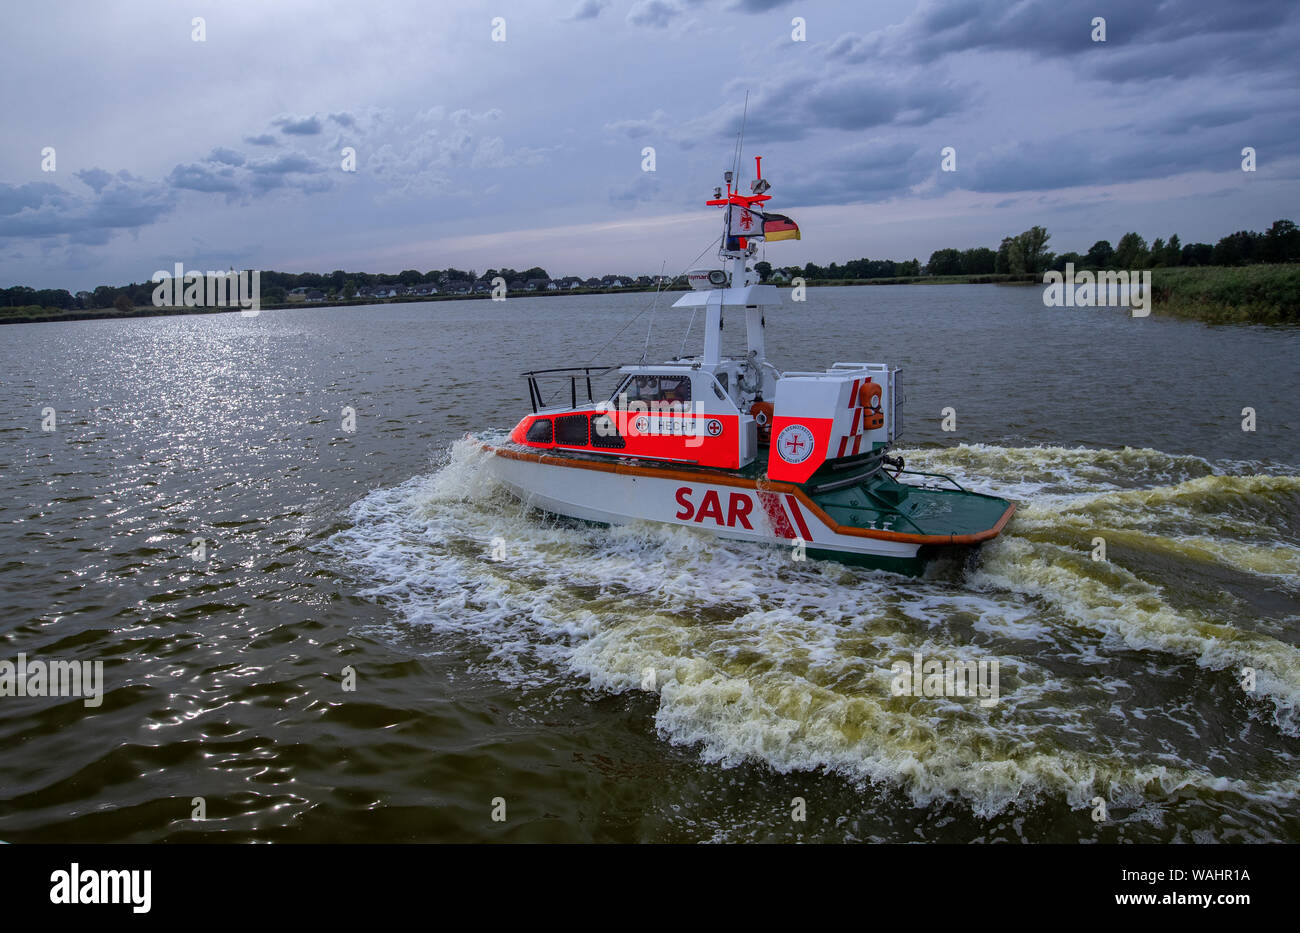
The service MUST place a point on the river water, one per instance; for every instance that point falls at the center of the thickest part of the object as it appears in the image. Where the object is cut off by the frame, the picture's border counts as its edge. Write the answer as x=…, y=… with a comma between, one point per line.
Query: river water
x=516, y=683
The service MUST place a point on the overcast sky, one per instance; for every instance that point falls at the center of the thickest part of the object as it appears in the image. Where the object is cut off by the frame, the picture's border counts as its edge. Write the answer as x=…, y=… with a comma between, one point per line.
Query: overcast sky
x=477, y=153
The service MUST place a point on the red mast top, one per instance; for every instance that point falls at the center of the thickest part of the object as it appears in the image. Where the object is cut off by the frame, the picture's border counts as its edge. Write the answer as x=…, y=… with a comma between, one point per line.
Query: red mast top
x=744, y=200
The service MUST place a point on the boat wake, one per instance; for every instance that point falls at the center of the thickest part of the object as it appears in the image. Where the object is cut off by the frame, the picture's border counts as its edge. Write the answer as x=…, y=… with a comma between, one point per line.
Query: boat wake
x=1120, y=678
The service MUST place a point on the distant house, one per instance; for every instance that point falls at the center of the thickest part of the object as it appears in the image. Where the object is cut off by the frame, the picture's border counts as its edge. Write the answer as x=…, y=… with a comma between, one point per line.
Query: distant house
x=570, y=281
x=425, y=290
x=592, y=283
x=534, y=285
x=644, y=280
x=612, y=281
x=315, y=294
x=776, y=276
x=482, y=286
x=552, y=285
x=517, y=285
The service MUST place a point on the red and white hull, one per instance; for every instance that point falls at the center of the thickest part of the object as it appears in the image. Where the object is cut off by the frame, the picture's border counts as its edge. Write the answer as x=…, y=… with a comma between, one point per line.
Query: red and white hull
x=731, y=507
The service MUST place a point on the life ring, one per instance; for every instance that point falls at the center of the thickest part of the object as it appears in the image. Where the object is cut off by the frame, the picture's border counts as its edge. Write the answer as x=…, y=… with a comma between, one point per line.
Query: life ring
x=869, y=395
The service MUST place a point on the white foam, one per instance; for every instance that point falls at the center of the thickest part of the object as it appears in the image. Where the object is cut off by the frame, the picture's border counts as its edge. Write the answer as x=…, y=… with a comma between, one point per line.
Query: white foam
x=760, y=658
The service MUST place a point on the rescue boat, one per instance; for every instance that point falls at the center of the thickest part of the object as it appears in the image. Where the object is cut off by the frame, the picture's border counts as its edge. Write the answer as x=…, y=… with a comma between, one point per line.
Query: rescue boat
x=732, y=446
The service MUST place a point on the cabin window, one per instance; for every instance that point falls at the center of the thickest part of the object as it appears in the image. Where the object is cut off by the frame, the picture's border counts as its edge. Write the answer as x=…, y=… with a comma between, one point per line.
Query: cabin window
x=649, y=389
x=571, y=430
x=539, y=432
x=720, y=387
x=604, y=433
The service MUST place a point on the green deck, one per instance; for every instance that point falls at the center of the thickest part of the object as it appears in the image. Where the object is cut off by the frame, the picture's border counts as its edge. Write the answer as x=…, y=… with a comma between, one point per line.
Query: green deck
x=883, y=503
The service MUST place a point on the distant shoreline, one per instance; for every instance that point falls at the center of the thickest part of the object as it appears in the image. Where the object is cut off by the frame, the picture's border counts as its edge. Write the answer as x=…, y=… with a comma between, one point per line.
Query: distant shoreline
x=1214, y=294
x=51, y=315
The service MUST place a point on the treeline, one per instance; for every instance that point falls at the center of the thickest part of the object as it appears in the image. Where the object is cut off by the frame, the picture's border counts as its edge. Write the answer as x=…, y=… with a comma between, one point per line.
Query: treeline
x=853, y=269
x=1027, y=252
x=1017, y=255
x=275, y=287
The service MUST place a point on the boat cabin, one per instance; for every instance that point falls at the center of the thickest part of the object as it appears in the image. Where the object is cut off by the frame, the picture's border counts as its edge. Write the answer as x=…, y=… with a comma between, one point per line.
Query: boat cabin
x=724, y=412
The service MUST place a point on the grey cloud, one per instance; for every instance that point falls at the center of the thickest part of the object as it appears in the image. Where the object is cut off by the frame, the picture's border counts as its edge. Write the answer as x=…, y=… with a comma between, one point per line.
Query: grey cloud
x=469, y=118
x=197, y=177
x=42, y=209
x=226, y=156
x=758, y=6
x=90, y=236
x=96, y=178
x=1227, y=53
x=14, y=198
x=874, y=170
x=1208, y=140
x=491, y=153
x=286, y=163
x=645, y=189
x=656, y=14
x=639, y=129
x=298, y=126
x=1226, y=34
x=851, y=49
x=228, y=173
x=265, y=139
x=848, y=101
x=588, y=9
x=1070, y=162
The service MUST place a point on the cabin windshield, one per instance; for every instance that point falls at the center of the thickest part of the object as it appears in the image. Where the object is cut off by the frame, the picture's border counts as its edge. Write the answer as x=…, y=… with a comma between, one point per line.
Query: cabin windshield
x=655, y=389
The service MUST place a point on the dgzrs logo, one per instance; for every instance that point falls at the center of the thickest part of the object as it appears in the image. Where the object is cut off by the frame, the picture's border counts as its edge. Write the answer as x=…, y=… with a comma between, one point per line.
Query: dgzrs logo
x=714, y=427
x=794, y=444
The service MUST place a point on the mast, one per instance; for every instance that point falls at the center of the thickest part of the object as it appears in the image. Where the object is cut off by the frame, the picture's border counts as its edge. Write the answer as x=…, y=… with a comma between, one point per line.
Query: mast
x=734, y=253
x=743, y=226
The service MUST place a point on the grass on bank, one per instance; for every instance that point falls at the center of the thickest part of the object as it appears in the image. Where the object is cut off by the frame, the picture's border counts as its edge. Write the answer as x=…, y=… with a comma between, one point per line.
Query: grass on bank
x=1263, y=294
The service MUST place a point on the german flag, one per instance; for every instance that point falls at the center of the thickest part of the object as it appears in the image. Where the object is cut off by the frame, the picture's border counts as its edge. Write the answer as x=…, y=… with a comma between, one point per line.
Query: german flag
x=779, y=227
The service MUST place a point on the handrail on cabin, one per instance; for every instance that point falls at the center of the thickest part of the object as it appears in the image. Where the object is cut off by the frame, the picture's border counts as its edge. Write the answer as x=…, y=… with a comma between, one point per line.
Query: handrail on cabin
x=535, y=393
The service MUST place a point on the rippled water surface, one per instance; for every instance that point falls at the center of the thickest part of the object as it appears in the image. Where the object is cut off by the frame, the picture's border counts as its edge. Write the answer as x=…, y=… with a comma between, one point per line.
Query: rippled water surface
x=521, y=678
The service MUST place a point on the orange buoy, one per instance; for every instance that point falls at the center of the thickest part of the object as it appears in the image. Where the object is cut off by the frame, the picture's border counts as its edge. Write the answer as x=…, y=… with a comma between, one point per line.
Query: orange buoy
x=869, y=395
